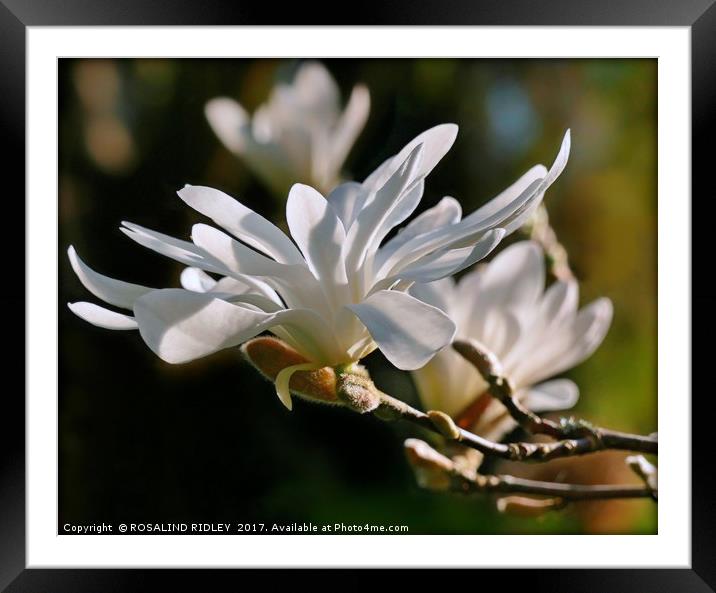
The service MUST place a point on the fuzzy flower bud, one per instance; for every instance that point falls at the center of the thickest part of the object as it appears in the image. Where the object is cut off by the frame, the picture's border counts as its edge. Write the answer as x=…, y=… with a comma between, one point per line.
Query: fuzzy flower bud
x=525, y=506
x=272, y=357
x=431, y=469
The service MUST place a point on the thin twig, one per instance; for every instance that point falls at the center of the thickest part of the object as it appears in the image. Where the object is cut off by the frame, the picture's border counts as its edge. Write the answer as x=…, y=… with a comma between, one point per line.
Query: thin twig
x=435, y=471
x=540, y=230
x=582, y=434
x=393, y=409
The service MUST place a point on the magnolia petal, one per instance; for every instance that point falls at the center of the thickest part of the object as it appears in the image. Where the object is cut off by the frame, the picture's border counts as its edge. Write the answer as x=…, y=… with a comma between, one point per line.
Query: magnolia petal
x=196, y=280
x=235, y=256
x=518, y=205
x=515, y=277
x=506, y=196
x=227, y=118
x=234, y=286
x=114, y=292
x=284, y=378
x=499, y=332
x=178, y=250
x=102, y=317
x=295, y=282
x=571, y=344
x=241, y=222
x=520, y=217
x=544, y=324
x=461, y=234
x=180, y=325
x=436, y=141
x=590, y=329
x=349, y=125
x=408, y=331
x=319, y=234
x=560, y=162
x=448, y=262
x=346, y=200
x=560, y=301
x=259, y=302
x=446, y=212
x=365, y=234
x=403, y=209
x=314, y=87
x=438, y=293
x=559, y=394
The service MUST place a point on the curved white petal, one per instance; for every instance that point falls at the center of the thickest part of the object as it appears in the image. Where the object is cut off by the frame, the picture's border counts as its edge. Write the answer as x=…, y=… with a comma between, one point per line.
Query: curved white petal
x=404, y=207
x=518, y=205
x=284, y=378
x=102, y=317
x=241, y=222
x=180, y=325
x=448, y=262
x=196, y=280
x=571, y=344
x=346, y=200
x=231, y=285
x=448, y=211
x=315, y=88
x=559, y=394
x=320, y=236
x=181, y=251
x=408, y=331
x=349, y=126
x=114, y=292
x=228, y=119
x=590, y=329
x=506, y=196
x=438, y=294
x=560, y=162
x=294, y=282
x=544, y=324
x=515, y=277
x=560, y=301
x=436, y=142
x=367, y=231
x=461, y=234
x=499, y=331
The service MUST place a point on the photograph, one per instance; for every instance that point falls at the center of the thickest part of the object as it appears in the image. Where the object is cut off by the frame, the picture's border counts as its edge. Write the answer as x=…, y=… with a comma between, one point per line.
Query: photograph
x=357, y=296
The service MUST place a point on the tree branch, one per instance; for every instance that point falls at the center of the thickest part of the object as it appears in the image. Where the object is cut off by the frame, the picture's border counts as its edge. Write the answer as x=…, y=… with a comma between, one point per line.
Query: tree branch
x=580, y=432
x=437, y=472
x=540, y=230
x=390, y=408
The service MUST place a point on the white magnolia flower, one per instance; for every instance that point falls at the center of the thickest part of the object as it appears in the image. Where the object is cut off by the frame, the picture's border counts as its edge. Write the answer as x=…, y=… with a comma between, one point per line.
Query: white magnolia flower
x=335, y=294
x=535, y=334
x=299, y=134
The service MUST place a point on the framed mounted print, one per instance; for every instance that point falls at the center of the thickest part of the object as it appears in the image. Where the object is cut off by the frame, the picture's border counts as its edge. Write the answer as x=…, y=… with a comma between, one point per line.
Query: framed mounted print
x=413, y=292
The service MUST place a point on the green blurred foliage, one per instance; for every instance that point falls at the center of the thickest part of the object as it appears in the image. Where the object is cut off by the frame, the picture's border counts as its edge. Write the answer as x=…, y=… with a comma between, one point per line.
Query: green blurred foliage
x=142, y=440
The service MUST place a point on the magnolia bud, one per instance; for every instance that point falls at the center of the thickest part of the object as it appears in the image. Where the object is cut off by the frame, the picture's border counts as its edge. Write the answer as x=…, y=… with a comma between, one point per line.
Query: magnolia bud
x=271, y=355
x=431, y=469
x=646, y=471
x=444, y=424
x=485, y=361
x=524, y=506
x=357, y=391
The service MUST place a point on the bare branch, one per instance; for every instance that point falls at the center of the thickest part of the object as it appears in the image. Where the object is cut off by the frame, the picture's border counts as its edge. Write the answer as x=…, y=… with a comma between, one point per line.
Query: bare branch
x=646, y=471
x=394, y=409
x=540, y=230
x=437, y=472
x=584, y=436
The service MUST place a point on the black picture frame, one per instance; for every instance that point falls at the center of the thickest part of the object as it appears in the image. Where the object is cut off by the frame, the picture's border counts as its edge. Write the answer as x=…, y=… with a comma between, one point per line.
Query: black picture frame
x=17, y=15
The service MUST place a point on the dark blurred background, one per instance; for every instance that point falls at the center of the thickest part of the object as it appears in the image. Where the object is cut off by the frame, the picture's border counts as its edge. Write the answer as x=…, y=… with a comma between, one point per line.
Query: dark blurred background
x=144, y=441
